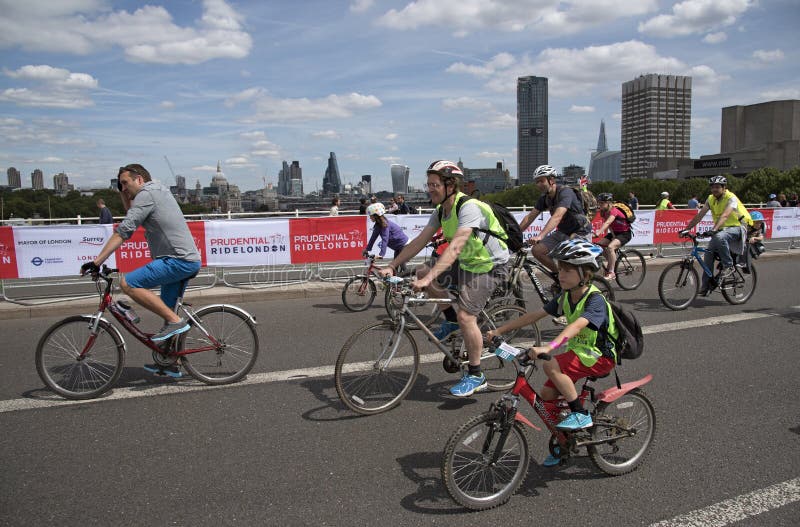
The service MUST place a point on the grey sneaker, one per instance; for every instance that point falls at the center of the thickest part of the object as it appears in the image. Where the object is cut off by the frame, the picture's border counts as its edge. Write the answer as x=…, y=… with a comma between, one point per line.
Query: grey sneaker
x=170, y=329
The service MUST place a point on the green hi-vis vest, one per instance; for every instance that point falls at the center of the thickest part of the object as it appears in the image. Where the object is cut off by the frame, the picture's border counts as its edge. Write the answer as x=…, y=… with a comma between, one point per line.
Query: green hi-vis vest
x=586, y=344
x=474, y=257
x=736, y=217
x=662, y=205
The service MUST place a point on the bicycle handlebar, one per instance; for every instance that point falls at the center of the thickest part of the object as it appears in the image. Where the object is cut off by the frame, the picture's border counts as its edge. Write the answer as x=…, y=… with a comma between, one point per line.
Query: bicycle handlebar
x=522, y=357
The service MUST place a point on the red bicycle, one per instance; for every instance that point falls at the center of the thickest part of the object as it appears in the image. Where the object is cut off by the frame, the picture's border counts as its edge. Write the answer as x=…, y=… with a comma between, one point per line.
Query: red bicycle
x=486, y=459
x=82, y=356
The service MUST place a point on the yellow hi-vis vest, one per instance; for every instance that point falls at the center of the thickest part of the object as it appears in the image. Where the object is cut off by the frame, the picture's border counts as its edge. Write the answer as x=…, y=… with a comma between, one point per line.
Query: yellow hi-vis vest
x=736, y=218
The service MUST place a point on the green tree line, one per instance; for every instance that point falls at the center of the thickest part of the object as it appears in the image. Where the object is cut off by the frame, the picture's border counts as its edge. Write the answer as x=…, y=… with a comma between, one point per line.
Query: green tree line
x=753, y=188
x=29, y=203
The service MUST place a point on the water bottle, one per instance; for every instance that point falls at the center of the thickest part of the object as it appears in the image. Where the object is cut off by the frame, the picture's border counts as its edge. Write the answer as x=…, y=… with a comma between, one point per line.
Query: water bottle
x=128, y=311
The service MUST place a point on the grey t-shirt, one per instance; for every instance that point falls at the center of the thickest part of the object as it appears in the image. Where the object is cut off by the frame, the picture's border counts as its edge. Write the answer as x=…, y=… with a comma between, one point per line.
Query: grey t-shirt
x=574, y=221
x=470, y=215
x=165, y=229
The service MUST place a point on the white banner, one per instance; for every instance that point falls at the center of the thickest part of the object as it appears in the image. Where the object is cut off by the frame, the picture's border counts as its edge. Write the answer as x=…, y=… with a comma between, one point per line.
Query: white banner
x=58, y=250
x=785, y=222
x=247, y=242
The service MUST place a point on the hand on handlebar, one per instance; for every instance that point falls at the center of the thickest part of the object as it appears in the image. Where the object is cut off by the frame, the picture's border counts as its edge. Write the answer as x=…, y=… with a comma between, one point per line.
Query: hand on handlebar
x=707, y=234
x=683, y=233
x=89, y=268
x=541, y=352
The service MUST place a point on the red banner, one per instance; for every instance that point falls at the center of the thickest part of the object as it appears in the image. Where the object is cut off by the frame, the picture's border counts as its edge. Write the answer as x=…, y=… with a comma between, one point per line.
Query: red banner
x=327, y=239
x=8, y=257
x=135, y=252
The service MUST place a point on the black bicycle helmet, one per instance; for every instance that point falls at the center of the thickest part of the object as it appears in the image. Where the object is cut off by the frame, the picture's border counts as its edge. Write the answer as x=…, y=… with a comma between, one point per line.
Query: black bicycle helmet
x=605, y=196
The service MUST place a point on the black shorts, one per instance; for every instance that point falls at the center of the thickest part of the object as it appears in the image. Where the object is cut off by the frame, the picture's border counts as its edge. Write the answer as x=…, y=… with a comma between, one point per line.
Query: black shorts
x=623, y=237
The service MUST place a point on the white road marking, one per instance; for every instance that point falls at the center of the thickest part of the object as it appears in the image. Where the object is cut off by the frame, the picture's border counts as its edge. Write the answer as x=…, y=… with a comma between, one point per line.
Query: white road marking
x=738, y=508
x=12, y=405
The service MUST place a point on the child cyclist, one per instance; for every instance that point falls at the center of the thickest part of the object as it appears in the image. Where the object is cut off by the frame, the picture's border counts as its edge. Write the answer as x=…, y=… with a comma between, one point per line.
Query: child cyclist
x=392, y=235
x=590, y=351
x=619, y=231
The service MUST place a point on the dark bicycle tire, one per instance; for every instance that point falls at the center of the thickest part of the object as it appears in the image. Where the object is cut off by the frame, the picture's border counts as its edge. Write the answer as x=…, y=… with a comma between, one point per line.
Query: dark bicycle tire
x=428, y=314
x=96, y=373
x=465, y=463
x=621, y=456
x=500, y=374
x=630, y=269
x=739, y=288
x=605, y=287
x=678, y=278
x=354, y=298
x=235, y=331
x=363, y=384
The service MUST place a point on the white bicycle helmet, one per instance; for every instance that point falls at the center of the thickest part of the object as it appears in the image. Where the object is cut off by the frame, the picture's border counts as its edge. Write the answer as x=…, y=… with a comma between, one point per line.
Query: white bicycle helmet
x=544, y=171
x=718, y=180
x=445, y=169
x=577, y=252
x=376, y=208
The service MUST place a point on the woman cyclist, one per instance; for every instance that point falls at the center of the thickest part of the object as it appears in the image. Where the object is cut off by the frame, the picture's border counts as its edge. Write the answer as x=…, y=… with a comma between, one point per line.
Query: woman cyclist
x=590, y=351
x=619, y=231
x=392, y=235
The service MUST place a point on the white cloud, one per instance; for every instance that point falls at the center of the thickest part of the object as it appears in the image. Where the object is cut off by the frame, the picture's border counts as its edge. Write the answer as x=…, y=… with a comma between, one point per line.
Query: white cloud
x=695, y=16
x=493, y=155
x=774, y=55
x=51, y=87
x=390, y=137
x=466, y=103
x=616, y=116
x=325, y=134
x=581, y=109
x=359, y=6
x=705, y=81
x=496, y=120
x=542, y=17
x=50, y=159
x=10, y=121
x=268, y=108
x=254, y=135
x=781, y=94
x=204, y=168
x=715, y=38
x=498, y=62
x=146, y=35
x=167, y=105
x=390, y=159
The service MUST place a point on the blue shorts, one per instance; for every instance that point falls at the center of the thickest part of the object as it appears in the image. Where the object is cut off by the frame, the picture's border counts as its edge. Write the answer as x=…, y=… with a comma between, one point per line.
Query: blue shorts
x=166, y=272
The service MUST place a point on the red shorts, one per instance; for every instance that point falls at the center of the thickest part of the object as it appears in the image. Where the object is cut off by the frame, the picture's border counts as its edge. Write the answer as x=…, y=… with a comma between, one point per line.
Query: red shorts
x=572, y=367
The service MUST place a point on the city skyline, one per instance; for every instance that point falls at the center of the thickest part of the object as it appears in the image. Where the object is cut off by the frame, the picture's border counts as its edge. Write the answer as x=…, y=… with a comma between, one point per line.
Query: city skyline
x=254, y=83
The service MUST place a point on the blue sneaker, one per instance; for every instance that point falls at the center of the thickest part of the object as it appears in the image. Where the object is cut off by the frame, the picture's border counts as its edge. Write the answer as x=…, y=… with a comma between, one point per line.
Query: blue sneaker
x=445, y=330
x=575, y=421
x=551, y=460
x=170, y=371
x=468, y=385
x=170, y=329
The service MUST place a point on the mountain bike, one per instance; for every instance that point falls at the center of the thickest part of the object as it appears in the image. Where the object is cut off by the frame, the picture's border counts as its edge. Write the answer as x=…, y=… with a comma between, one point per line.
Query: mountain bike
x=679, y=283
x=377, y=366
x=486, y=459
x=82, y=356
x=630, y=268
x=359, y=291
x=547, y=288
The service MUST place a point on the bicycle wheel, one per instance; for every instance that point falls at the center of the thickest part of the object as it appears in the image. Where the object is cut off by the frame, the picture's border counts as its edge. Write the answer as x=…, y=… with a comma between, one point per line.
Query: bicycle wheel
x=739, y=287
x=358, y=293
x=605, y=287
x=627, y=428
x=238, y=345
x=630, y=269
x=376, y=368
x=427, y=313
x=61, y=369
x=500, y=374
x=469, y=475
x=678, y=285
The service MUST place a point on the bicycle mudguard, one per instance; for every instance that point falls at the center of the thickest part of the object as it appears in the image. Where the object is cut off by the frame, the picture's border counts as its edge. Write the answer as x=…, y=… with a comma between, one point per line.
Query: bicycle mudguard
x=614, y=393
x=527, y=422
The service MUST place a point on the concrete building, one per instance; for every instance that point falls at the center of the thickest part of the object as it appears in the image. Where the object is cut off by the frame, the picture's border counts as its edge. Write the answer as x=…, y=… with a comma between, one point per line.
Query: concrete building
x=14, y=178
x=486, y=180
x=571, y=175
x=532, y=128
x=400, y=174
x=37, y=179
x=61, y=183
x=656, y=124
x=752, y=137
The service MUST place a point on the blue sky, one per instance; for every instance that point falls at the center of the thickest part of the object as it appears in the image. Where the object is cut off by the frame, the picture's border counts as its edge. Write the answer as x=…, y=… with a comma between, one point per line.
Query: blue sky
x=89, y=85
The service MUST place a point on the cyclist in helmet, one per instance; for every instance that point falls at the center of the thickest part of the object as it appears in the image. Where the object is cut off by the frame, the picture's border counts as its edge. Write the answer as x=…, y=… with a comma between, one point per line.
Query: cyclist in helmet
x=755, y=239
x=731, y=220
x=567, y=218
x=619, y=230
x=392, y=235
x=476, y=265
x=589, y=350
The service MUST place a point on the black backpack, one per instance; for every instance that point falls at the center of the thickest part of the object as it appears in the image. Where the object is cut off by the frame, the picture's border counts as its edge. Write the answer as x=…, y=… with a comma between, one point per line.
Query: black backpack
x=630, y=341
x=513, y=239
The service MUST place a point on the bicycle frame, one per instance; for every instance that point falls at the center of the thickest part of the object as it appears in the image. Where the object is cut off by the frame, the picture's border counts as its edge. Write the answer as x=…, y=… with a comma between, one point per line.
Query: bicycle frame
x=107, y=303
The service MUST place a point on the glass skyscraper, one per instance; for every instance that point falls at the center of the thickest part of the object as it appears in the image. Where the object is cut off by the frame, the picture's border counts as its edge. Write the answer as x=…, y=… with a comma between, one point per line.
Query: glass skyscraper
x=399, y=178
x=532, y=130
x=332, y=183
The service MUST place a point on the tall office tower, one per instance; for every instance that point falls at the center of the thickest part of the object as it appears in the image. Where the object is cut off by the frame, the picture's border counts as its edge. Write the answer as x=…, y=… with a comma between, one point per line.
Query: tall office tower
x=531, y=126
x=61, y=182
x=656, y=124
x=366, y=184
x=14, y=179
x=37, y=179
x=399, y=178
x=602, y=144
x=604, y=163
x=332, y=183
x=283, y=180
x=294, y=181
